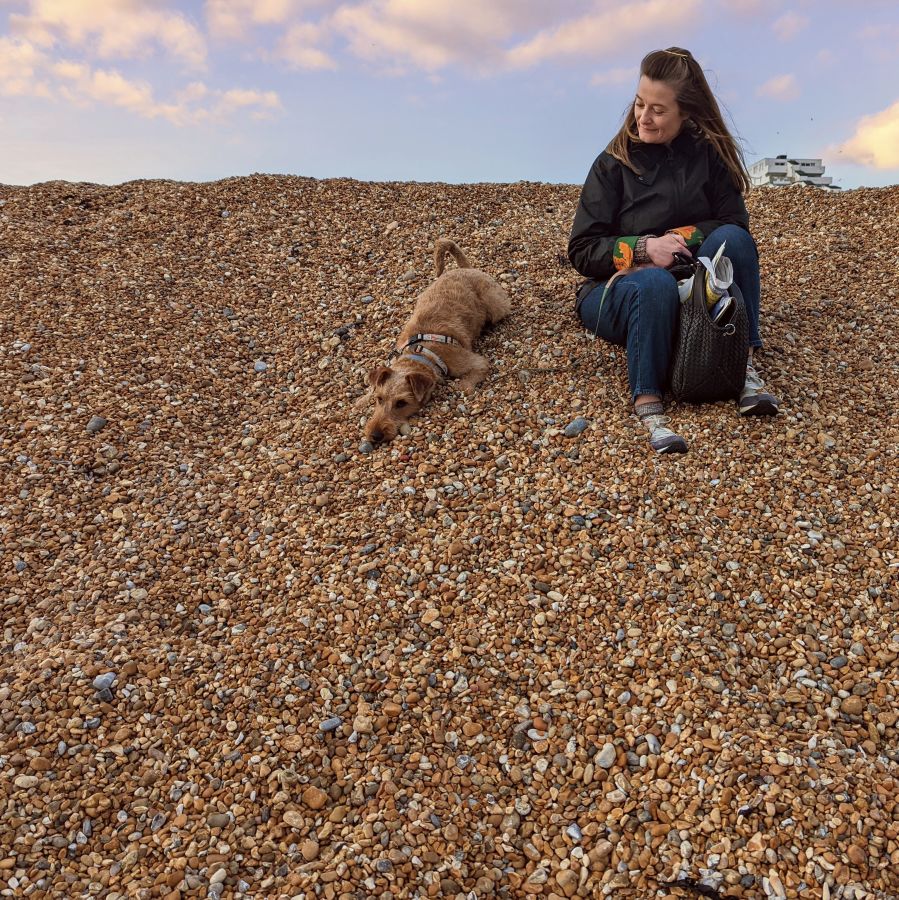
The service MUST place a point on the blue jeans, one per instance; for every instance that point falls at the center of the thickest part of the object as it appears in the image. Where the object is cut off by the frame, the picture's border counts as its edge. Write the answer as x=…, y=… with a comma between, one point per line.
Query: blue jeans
x=641, y=310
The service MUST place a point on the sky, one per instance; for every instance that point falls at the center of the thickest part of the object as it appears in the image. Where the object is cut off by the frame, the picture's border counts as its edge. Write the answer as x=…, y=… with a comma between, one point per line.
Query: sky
x=425, y=90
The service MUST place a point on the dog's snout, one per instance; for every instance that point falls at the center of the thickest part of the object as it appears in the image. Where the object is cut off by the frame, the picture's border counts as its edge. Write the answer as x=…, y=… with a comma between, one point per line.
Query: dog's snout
x=377, y=436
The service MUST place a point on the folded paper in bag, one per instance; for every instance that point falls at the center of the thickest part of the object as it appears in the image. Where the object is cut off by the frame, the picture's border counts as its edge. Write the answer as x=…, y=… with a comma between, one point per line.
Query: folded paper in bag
x=719, y=276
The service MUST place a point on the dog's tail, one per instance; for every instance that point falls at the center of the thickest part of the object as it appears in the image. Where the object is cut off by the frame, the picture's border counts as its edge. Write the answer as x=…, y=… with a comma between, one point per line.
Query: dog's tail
x=442, y=246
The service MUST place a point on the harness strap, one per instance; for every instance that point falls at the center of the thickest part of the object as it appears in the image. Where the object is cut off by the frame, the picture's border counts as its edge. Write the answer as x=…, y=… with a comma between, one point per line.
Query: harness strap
x=431, y=359
x=423, y=354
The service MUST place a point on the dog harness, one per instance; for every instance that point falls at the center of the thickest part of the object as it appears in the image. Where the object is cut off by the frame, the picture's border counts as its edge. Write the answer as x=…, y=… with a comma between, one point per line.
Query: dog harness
x=423, y=354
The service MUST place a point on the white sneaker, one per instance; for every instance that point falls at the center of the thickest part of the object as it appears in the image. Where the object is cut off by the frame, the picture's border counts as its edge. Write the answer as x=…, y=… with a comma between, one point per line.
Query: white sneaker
x=661, y=438
x=754, y=401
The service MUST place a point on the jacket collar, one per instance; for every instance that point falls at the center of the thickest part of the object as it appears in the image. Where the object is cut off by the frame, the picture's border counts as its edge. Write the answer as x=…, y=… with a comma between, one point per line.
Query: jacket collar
x=655, y=153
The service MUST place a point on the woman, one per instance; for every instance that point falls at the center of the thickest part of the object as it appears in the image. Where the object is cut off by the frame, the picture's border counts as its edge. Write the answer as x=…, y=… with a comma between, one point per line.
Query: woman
x=671, y=181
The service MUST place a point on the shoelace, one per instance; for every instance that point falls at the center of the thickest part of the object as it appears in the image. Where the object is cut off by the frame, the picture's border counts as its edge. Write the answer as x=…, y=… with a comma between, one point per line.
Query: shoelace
x=656, y=425
x=753, y=381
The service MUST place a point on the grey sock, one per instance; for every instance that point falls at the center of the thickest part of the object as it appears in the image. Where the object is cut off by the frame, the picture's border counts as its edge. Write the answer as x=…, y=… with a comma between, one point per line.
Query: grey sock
x=654, y=408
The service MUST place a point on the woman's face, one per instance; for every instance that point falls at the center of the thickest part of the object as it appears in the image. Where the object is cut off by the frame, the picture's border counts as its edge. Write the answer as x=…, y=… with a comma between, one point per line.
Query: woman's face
x=659, y=118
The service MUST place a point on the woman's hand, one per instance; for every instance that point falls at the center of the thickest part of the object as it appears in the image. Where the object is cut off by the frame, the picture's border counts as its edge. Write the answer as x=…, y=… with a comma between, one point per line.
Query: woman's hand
x=661, y=250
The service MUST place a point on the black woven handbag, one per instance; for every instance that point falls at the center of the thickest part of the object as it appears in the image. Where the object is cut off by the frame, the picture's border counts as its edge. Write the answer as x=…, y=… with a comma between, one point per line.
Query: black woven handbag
x=710, y=357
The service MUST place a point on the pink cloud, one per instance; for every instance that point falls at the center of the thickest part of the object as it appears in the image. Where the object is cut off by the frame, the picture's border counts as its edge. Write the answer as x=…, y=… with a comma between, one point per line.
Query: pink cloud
x=781, y=87
x=111, y=29
x=875, y=142
x=234, y=18
x=602, y=30
x=20, y=64
x=789, y=25
x=300, y=47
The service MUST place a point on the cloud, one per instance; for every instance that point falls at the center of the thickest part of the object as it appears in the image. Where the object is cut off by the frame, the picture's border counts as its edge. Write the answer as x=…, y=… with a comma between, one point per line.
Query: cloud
x=625, y=75
x=886, y=31
x=781, y=87
x=876, y=140
x=112, y=28
x=789, y=25
x=20, y=62
x=603, y=30
x=27, y=71
x=238, y=98
x=233, y=18
x=299, y=48
x=431, y=36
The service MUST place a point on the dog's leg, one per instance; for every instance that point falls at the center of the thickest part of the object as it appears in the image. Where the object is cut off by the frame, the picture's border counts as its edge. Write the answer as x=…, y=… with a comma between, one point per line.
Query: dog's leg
x=471, y=369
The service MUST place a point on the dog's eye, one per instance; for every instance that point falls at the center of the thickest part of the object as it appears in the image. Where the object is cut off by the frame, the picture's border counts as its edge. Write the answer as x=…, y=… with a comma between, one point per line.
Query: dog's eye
x=401, y=404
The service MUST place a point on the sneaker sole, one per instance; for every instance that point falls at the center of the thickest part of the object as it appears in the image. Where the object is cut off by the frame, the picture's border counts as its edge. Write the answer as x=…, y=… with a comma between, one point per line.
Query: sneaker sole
x=676, y=446
x=762, y=405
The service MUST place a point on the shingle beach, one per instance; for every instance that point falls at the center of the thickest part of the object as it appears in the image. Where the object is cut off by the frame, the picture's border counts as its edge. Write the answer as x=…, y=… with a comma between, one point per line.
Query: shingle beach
x=244, y=657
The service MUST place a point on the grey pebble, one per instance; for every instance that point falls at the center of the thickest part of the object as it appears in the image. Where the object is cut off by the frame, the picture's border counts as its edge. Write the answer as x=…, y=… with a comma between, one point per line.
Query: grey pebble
x=366, y=447
x=21, y=565
x=331, y=724
x=574, y=832
x=366, y=299
x=605, y=759
x=97, y=423
x=654, y=746
x=729, y=629
x=838, y=662
x=104, y=681
x=340, y=457
x=573, y=429
x=260, y=366
x=218, y=820
x=27, y=728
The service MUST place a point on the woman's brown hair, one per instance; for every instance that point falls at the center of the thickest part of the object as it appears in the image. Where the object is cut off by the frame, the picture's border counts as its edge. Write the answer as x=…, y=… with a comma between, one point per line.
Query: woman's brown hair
x=683, y=74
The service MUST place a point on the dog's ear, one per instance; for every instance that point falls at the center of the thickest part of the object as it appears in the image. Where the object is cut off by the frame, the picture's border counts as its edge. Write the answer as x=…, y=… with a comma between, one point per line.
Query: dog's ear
x=378, y=375
x=420, y=384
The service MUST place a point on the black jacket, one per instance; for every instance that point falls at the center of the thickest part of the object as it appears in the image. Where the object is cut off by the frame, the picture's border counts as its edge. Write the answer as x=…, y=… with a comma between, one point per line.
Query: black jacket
x=684, y=184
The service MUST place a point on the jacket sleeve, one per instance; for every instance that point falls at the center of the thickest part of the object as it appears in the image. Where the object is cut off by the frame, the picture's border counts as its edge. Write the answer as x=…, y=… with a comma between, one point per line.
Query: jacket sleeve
x=725, y=199
x=592, y=244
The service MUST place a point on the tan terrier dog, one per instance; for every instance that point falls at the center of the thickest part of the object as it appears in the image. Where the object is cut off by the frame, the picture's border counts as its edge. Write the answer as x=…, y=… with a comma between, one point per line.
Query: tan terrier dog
x=436, y=342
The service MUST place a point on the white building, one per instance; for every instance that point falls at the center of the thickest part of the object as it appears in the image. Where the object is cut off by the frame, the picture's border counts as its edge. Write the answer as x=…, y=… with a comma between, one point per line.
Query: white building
x=783, y=170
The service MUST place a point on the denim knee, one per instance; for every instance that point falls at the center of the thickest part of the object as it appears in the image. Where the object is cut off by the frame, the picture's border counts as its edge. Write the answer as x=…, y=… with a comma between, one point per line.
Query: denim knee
x=655, y=289
x=738, y=239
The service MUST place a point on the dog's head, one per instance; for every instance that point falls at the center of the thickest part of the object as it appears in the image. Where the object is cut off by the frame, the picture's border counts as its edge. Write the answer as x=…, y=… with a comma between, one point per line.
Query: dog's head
x=398, y=393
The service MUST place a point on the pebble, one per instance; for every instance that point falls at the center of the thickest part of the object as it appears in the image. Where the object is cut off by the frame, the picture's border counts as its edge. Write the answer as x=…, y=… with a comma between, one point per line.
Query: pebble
x=248, y=573
x=314, y=797
x=606, y=757
x=260, y=366
x=96, y=423
x=576, y=427
x=331, y=724
x=104, y=681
